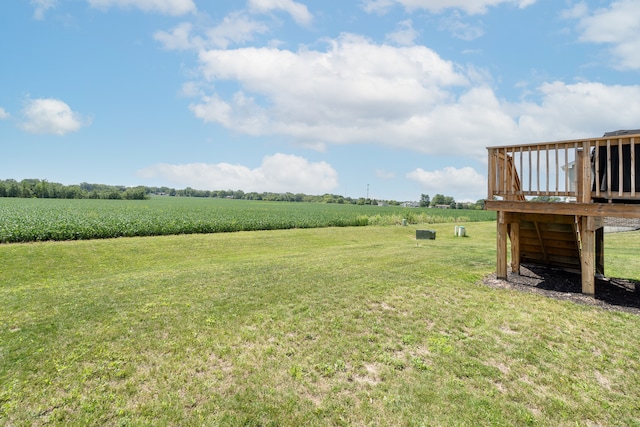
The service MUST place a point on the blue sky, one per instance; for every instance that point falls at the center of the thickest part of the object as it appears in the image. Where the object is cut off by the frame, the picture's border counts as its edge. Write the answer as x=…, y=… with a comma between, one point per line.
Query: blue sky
x=400, y=97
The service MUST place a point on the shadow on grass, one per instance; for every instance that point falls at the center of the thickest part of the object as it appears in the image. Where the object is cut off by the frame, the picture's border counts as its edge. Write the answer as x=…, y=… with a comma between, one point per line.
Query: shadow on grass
x=611, y=293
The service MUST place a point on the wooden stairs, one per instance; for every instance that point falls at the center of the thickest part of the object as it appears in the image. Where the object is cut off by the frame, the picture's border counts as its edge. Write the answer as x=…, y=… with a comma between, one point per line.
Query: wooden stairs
x=544, y=239
x=550, y=240
x=554, y=240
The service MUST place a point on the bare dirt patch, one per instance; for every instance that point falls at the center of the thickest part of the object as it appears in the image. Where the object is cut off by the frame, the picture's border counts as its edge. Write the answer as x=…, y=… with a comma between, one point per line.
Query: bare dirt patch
x=611, y=293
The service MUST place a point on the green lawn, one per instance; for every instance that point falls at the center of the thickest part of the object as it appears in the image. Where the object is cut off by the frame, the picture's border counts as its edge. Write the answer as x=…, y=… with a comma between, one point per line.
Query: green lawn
x=332, y=326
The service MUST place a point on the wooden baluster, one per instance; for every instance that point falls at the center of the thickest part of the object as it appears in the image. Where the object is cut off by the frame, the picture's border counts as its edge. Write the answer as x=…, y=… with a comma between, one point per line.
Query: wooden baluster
x=504, y=173
x=557, y=169
x=567, y=187
x=538, y=170
x=633, y=167
x=529, y=169
x=620, y=169
x=609, y=169
x=520, y=172
x=512, y=184
x=596, y=160
x=547, y=170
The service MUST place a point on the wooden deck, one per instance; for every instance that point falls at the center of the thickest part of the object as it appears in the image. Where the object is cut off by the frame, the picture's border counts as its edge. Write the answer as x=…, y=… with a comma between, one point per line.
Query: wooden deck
x=594, y=178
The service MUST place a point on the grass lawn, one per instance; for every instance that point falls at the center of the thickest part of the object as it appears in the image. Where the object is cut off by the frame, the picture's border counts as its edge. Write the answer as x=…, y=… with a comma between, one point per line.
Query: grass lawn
x=333, y=326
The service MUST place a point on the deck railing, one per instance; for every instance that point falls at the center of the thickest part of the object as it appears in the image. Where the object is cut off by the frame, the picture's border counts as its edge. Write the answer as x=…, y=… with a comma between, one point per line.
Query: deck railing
x=602, y=169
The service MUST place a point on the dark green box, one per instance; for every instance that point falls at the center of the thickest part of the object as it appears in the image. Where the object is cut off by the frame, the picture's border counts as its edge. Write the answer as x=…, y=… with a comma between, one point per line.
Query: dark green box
x=426, y=234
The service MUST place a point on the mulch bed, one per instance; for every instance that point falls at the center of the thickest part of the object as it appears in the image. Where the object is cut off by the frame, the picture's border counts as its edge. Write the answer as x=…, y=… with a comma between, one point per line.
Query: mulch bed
x=611, y=293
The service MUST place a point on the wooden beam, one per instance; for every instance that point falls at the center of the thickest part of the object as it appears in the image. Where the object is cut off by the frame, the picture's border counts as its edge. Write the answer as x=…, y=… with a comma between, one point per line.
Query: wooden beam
x=565, y=141
x=580, y=209
x=511, y=217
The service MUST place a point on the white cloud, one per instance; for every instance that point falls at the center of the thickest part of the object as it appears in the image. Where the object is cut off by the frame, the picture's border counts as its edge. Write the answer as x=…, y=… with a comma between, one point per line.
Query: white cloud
x=377, y=6
x=617, y=26
x=354, y=91
x=460, y=29
x=463, y=184
x=298, y=11
x=190, y=89
x=50, y=116
x=577, y=11
x=357, y=92
x=179, y=38
x=235, y=28
x=41, y=6
x=166, y=7
x=578, y=110
x=405, y=35
x=3, y=114
x=471, y=7
x=277, y=173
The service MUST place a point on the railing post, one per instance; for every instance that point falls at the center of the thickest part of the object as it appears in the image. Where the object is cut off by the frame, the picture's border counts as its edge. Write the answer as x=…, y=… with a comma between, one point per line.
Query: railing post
x=583, y=164
x=492, y=174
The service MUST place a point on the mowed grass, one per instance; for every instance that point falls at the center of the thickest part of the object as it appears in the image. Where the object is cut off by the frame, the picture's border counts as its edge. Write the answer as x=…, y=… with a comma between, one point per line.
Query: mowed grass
x=333, y=326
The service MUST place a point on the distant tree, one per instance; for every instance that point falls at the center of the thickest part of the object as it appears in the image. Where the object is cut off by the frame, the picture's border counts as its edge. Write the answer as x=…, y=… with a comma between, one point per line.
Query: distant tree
x=135, y=193
x=25, y=189
x=114, y=195
x=328, y=198
x=73, y=192
x=42, y=189
x=438, y=199
x=253, y=196
x=425, y=201
x=13, y=190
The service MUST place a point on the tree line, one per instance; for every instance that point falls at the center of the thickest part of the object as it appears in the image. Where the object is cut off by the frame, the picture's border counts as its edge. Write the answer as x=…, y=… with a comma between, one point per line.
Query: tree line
x=36, y=188
x=43, y=189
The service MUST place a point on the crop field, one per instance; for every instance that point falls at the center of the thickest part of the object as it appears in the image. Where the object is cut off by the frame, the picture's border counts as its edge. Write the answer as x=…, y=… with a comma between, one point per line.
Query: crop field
x=26, y=220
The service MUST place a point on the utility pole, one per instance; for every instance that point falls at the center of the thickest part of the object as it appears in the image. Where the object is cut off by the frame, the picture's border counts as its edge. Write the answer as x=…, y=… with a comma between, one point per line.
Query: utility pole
x=367, y=200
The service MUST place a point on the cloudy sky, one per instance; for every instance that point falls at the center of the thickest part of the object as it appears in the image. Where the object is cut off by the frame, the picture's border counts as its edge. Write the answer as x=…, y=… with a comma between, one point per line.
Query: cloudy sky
x=395, y=97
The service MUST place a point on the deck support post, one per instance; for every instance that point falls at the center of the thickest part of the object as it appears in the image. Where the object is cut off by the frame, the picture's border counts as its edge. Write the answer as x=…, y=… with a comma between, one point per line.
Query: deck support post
x=600, y=247
x=587, y=226
x=514, y=236
x=501, y=247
